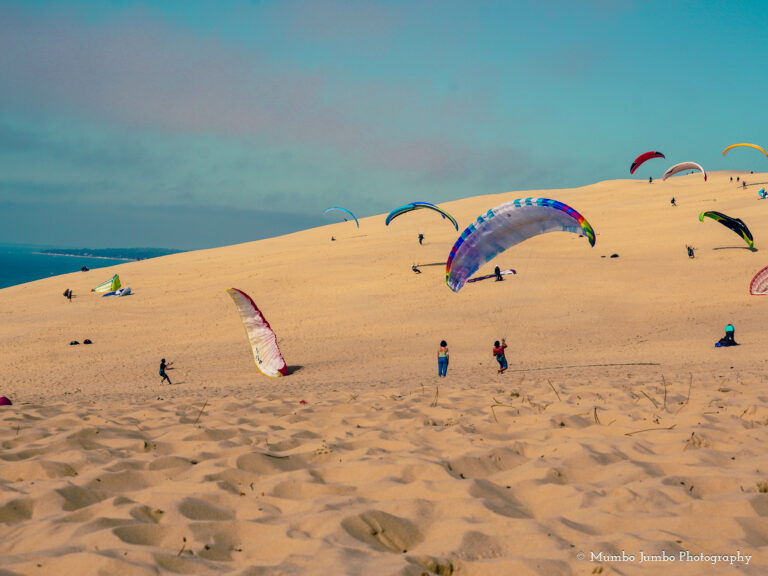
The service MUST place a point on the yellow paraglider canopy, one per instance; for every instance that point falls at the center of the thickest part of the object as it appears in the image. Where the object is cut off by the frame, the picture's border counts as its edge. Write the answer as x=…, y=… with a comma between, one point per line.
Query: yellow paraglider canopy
x=755, y=146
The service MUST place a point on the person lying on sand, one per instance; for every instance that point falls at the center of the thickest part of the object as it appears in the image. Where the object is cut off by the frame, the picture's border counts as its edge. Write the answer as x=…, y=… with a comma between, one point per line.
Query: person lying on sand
x=498, y=352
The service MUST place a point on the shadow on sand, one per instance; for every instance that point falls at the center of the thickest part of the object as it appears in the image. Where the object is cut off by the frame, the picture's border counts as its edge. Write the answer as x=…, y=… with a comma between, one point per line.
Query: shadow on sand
x=735, y=248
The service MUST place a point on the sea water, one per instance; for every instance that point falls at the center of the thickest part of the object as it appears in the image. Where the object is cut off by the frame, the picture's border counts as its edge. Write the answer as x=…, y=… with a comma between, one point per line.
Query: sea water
x=20, y=264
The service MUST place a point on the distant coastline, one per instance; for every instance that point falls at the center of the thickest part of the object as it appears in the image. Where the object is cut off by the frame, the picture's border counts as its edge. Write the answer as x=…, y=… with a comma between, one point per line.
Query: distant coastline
x=45, y=253
x=125, y=254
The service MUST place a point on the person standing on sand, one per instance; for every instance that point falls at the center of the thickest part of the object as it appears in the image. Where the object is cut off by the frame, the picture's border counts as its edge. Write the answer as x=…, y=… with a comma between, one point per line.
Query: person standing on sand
x=673, y=201
x=421, y=239
x=498, y=352
x=497, y=271
x=442, y=358
x=163, y=368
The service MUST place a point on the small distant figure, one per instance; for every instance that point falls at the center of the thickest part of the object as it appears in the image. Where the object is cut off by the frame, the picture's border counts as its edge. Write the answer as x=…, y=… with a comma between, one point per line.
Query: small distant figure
x=84, y=269
x=68, y=294
x=442, y=358
x=650, y=179
x=728, y=339
x=333, y=239
x=421, y=239
x=498, y=352
x=729, y=332
x=415, y=269
x=743, y=184
x=731, y=178
x=163, y=367
x=673, y=201
x=497, y=271
x=737, y=178
x=690, y=251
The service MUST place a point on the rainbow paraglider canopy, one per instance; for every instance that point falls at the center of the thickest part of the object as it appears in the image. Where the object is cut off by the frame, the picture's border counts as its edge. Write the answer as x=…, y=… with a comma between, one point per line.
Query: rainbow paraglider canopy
x=506, y=225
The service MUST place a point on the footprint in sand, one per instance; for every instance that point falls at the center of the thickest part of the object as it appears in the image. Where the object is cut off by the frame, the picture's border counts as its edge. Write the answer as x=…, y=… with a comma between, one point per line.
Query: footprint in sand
x=196, y=509
x=382, y=530
x=479, y=546
x=16, y=511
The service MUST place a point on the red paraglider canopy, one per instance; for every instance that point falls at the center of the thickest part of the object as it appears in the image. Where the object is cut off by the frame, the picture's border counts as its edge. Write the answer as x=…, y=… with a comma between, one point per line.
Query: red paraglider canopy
x=759, y=284
x=642, y=158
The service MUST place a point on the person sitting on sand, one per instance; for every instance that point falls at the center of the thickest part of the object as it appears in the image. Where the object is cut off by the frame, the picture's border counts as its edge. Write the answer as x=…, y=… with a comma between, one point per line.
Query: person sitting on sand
x=690, y=251
x=163, y=368
x=498, y=352
x=442, y=358
x=729, y=332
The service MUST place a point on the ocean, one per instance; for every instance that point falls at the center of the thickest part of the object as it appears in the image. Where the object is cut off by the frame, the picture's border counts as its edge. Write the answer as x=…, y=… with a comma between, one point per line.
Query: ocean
x=20, y=264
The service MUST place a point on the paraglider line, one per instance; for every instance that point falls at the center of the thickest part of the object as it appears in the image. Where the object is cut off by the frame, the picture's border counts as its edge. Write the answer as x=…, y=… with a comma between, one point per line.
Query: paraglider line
x=587, y=366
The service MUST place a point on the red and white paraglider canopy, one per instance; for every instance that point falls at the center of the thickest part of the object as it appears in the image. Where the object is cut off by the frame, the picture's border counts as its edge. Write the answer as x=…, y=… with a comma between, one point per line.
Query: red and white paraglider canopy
x=263, y=340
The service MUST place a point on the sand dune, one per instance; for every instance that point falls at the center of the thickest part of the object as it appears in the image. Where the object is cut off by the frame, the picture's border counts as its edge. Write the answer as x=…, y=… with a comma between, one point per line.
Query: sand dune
x=619, y=428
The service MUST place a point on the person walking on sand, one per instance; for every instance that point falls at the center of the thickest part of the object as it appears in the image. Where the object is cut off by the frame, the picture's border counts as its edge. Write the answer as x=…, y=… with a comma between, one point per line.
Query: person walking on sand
x=498, y=352
x=673, y=201
x=421, y=239
x=442, y=358
x=163, y=368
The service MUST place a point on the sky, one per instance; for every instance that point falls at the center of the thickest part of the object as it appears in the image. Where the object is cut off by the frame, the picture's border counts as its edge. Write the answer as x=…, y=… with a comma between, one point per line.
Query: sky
x=189, y=125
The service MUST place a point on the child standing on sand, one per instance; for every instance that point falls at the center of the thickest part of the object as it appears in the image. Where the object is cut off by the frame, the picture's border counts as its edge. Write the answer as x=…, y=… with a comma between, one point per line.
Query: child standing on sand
x=442, y=358
x=498, y=351
x=163, y=368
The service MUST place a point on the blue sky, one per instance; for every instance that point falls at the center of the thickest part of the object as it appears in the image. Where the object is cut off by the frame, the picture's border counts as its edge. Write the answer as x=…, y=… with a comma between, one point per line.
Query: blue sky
x=198, y=124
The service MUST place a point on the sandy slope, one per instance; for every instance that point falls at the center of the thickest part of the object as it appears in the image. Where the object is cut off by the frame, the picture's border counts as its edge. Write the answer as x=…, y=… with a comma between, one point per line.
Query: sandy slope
x=618, y=427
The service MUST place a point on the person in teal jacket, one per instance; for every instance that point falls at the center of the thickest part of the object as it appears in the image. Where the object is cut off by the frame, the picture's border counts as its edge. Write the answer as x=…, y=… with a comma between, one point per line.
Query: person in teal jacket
x=729, y=332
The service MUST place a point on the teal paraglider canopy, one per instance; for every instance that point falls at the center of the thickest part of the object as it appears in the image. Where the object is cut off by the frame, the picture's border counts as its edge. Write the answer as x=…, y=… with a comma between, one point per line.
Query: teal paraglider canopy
x=342, y=210
x=417, y=206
